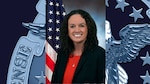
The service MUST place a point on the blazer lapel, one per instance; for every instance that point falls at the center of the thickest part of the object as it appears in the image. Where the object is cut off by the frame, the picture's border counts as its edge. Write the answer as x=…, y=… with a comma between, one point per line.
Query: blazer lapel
x=63, y=63
x=81, y=62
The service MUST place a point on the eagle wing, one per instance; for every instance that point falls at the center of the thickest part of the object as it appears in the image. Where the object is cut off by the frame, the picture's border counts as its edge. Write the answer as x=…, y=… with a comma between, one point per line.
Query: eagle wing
x=133, y=38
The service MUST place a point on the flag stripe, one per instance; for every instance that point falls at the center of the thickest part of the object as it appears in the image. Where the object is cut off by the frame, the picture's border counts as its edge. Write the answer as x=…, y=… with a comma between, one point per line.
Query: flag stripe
x=47, y=81
x=51, y=52
x=50, y=63
x=48, y=74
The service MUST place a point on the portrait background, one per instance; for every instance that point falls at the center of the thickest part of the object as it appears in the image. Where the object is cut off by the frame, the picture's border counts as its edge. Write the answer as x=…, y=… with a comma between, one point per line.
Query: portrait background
x=96, y=8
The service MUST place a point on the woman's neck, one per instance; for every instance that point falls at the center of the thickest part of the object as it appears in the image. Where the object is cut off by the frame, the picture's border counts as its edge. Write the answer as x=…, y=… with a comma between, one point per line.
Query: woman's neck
x=78, y=49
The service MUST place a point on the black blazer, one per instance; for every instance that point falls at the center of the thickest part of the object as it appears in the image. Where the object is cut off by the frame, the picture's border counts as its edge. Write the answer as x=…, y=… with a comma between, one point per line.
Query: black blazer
x=91, y=67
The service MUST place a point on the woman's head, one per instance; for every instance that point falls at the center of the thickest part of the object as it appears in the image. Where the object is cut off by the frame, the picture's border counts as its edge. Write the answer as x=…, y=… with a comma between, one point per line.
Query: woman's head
x=78, y=26
x=77, y=29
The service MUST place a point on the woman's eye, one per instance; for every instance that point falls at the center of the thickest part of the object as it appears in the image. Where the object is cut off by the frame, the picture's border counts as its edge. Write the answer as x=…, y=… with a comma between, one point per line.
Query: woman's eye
x=72, y=26
x=82, y=25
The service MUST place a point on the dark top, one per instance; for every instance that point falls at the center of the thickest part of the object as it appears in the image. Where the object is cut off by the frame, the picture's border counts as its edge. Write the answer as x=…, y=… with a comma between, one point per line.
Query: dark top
x=90, y=69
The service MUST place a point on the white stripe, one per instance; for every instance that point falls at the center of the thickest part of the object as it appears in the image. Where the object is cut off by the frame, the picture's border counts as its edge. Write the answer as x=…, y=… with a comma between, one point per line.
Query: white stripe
x=48, y=73
x=51, y=52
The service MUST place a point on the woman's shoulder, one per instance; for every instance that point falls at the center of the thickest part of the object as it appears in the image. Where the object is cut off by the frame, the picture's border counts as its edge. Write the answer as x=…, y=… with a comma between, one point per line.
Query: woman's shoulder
x=62, y=52
x=99, y=49
x=100, y=52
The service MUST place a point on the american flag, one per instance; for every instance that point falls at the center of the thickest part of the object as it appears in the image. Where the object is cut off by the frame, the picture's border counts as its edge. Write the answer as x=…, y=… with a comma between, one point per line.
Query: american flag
x=54, y=15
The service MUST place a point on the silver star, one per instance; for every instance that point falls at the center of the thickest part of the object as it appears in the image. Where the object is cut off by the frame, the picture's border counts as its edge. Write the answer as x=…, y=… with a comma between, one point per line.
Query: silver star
x=146, y=59
x=121, y=4
x=147, y=2
x=146, y=78
x=136, y=14
x=41, y=78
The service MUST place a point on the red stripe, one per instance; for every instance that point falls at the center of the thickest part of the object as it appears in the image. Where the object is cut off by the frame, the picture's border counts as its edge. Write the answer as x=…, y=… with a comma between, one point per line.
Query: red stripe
x=50, y=63
x=47, y=81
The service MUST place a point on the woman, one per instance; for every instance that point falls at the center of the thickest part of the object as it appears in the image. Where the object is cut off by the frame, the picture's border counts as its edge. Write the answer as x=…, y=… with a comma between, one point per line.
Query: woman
x=80, y=59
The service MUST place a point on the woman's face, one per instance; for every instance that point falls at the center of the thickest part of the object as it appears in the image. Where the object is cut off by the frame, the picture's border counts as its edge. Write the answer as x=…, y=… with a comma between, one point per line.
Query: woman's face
x=77, y=28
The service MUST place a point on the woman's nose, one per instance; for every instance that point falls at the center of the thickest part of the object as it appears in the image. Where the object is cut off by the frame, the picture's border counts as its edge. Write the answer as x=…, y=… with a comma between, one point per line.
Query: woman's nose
x=77, y=29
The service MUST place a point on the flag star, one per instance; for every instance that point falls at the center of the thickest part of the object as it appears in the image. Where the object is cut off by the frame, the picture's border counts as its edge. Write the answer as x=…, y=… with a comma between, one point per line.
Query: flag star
x=146, y=78
x=49, y=37
x=50, y=12
x=57, y=46
x=146, y=59
x=57, y=21
x=136, y=14
x=57, y=4
x=57, y=30
x=57, y=13
x=63, y=13
x=49, y=29
x=41, y=78
x=121, y=4
x=62, y=5
x=57, y=38
x=51, y=3
x=50, y=20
